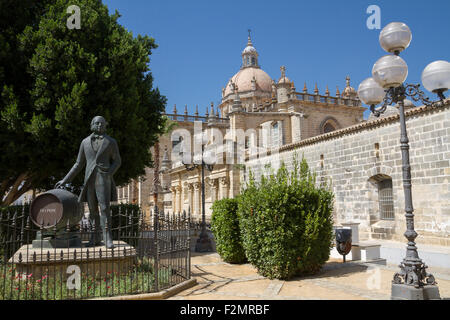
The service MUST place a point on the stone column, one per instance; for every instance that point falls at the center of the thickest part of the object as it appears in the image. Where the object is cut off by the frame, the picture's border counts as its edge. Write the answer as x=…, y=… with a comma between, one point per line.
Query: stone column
x=190, y=189
x=223, y=187
x=197, y=199
x=174, y=198
x=178, y=198
x=214, y=184
x=140, y=193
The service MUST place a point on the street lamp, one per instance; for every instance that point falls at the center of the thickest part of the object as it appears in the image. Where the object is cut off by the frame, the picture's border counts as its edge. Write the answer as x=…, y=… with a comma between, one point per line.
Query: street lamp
x=412, y=282
x=203, y=242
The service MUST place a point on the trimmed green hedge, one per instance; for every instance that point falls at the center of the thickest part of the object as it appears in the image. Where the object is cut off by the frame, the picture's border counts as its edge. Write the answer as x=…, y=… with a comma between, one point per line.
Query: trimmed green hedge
x=225, y=227
x=286, y=222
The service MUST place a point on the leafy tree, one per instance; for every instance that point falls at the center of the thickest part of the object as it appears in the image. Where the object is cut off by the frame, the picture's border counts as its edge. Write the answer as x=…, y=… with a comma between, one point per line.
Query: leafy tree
x=54, y=80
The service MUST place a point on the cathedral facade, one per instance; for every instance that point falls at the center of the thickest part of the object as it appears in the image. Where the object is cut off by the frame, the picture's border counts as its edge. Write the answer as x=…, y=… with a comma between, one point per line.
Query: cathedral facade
x=262, y=121
x=269, y=112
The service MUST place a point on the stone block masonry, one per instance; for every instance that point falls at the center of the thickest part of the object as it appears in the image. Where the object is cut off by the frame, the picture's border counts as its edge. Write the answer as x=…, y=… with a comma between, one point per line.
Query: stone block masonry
x=355, y=159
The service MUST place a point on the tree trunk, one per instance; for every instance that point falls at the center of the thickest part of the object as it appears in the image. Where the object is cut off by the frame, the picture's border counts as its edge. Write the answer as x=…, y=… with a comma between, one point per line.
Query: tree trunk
x=21, y=185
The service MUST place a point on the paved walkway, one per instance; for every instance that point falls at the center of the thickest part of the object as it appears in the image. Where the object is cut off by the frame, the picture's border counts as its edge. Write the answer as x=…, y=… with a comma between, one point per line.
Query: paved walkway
x=218, y=280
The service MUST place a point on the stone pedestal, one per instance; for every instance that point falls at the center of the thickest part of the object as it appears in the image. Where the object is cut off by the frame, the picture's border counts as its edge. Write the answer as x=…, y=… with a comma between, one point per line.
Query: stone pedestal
x=93, y=261
x=354, y=226
x=405, y=292
x=66, y=240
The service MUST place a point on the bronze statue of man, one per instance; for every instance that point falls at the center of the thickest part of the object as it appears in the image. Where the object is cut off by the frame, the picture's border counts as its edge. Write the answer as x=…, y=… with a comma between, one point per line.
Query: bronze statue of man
x=100, y=153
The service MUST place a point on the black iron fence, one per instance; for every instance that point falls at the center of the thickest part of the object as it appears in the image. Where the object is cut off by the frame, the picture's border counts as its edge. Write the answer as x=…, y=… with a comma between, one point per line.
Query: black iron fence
x=43, y=264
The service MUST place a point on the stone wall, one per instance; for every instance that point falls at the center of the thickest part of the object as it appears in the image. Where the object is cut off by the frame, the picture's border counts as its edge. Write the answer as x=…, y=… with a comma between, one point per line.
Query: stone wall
x=316, y=115
x=353, y=157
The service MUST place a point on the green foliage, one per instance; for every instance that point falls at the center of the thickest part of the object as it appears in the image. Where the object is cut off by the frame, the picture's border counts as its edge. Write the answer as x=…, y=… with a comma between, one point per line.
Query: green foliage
x=54, y=80
x=286, y=222
x=139, y=279
x=225, y=227
x=168, y=125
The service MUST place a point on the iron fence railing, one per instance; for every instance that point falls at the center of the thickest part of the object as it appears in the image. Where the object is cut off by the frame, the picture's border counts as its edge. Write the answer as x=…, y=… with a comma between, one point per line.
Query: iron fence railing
x=148, y=257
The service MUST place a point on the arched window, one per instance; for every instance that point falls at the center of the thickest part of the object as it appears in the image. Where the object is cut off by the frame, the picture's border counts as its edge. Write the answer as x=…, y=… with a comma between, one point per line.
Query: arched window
x=328, y=127
x=328, y=124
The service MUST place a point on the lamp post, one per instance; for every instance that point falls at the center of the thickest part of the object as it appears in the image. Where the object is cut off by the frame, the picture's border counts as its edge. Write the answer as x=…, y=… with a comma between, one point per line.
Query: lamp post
x=203, y=242
x=412, y=282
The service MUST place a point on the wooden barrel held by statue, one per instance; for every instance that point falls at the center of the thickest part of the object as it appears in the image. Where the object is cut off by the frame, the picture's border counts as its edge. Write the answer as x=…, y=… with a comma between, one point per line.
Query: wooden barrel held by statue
x=56, y=209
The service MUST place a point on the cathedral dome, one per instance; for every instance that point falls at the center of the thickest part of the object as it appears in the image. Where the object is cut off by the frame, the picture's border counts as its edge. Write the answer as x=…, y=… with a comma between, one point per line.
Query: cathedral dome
x=249, y=79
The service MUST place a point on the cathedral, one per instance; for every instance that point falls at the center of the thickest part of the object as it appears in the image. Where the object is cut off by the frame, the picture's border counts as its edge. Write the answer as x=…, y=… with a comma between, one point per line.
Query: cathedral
x=253, y=102
x=262, y=122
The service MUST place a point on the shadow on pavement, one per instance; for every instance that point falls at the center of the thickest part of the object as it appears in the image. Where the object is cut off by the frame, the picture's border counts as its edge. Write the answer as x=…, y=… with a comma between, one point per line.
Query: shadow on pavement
x=335, y=270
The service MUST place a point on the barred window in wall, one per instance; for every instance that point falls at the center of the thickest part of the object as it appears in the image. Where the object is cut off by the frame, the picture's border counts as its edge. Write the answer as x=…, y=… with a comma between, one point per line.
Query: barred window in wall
x=386, y=199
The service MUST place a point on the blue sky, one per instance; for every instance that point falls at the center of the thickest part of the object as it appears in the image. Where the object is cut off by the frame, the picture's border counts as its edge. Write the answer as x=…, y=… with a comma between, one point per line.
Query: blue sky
x=200, y=42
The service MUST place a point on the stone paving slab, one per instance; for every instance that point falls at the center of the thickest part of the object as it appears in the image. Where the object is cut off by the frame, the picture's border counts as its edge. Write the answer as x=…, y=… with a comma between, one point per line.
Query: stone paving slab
x=218, y=280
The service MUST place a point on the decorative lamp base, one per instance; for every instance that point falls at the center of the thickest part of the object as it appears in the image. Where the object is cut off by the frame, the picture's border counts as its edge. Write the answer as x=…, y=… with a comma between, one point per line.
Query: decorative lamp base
x=407, y=292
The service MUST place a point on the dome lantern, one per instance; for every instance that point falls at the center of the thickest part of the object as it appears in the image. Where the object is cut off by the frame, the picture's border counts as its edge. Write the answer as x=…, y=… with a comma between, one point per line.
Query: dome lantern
x=249, y=55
